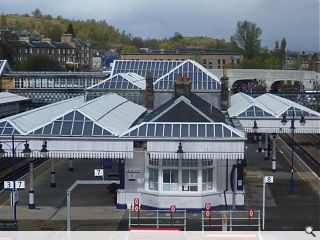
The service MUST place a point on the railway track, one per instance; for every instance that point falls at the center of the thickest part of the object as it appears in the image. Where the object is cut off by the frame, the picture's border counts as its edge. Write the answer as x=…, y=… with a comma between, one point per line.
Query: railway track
x=306, y=146
x=22, y=167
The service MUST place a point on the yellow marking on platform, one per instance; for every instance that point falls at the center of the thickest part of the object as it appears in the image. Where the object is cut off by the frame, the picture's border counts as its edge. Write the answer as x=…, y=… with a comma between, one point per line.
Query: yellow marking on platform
x=295, y=169
x=4, y=203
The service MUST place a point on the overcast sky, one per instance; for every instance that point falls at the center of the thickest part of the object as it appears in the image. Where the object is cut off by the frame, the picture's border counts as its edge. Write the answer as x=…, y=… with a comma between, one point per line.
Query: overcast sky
x=297, y=20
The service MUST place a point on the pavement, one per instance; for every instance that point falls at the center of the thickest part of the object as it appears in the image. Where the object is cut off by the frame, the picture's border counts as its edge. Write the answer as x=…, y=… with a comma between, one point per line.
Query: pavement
x=93, y=209
x=284, y=211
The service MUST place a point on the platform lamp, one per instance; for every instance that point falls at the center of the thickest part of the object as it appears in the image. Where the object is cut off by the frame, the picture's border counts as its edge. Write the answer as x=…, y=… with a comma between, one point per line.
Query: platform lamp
x=180, y=153
x=27, y=153
x=255, y=128
x=292, y=127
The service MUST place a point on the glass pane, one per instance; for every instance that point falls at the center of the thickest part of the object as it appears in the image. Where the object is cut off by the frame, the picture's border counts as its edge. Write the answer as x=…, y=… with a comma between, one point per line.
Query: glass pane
x=87, y=131
x=167, y=130
x=69, y=116
x=176, y=130
x=47, y=129
x=150, y=130
x=227, y=132
x=7, y=131
x=78, y=116
x=218, y=130
x=39, y=131
x=193, y=176
x=66, y=128
x=184, y=130
x=193, y=130
x=56, y=128
x=97, y=130
x=2, y=124
x=134, y=132
x=166, y=176
x=210, y=175
x=174, y=176
x=142, y=130
x=77, y=128
x=210, y=132
x=185, y=176
x=201, y=130
x=159, y=130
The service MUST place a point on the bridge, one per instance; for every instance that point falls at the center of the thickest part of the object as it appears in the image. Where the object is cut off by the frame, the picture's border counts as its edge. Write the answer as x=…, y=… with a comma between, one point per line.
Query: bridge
x=308, y=80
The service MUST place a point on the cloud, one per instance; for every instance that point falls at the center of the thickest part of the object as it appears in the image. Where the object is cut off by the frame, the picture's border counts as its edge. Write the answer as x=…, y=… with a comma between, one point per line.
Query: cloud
x=296, y=20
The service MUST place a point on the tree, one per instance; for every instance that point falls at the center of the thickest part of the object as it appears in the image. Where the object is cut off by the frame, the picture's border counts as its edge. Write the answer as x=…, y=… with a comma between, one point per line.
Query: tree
x=247, y=37
x=70, y=30
x=7, y=50
x=3, y=21
x=283, y=46
x=129, y=49
x=37, y=13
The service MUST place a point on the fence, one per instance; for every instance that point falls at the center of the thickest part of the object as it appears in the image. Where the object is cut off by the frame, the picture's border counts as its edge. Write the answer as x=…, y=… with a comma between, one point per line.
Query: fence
x=230, y=220
x=158, y=219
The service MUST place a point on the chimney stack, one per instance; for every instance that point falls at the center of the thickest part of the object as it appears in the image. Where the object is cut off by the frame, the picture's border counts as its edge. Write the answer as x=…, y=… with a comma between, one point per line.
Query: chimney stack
x=66, y=38
x=149, y=93
x=225, y=93
x=182, y=86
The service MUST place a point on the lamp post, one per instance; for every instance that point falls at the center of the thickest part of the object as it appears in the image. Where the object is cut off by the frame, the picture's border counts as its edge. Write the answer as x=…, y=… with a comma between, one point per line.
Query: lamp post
x=292, y=127
x=27, y=153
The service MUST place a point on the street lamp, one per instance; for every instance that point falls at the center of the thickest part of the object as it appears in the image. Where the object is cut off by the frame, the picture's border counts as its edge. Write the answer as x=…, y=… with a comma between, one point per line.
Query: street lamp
x=255, y=130
x=292, y=127
x=27, y=153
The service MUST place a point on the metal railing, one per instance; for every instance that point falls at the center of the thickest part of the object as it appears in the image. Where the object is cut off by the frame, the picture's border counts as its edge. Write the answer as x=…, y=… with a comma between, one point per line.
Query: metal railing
x=230, y=220
x=158, y=219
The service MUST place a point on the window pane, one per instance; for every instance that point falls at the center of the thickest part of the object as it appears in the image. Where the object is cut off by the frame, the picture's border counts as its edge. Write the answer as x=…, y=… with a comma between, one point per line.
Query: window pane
x=176, y=130
x=88, y=128
x=210, y=132
x=77, y=128
x=184, y=130
x=56, y=128
x=193, y=130
x=66, y=128
x=47, y=129
x=167, y=130
x=97, y=130
x=69, y=116
x=174, y=176
x=166, y=176
x=142, y=130
x=201, y=130
x=150, y=130
x=218, y=130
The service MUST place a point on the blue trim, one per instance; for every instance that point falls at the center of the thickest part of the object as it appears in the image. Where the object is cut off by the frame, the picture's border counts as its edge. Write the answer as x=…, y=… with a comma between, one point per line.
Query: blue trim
x=53, y=185
x=71, y=169
x=31, y=191
x=274, y=170
x=32, y=206
x=121, y=206
x=53, y=172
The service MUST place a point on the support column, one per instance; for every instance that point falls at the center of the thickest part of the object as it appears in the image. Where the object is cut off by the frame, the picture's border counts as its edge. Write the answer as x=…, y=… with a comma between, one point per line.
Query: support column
x=31, y=188
x=70, y=164
x=254, y=137
x=53, y=173
x=260, y=143
x=274, y=149
x=121, y=168
x=266, y=147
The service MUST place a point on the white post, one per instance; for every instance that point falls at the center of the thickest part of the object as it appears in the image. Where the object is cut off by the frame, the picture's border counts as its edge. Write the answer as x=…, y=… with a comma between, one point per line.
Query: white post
x=266, y=147
x=274, y=149
x=263, y=203
x=70, y=165
x=53, y=179
x=260, y=143
x=31, y=188
x=69, y=211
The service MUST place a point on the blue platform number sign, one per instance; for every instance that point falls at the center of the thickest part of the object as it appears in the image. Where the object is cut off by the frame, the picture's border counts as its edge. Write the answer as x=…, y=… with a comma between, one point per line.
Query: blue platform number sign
x=268, y=179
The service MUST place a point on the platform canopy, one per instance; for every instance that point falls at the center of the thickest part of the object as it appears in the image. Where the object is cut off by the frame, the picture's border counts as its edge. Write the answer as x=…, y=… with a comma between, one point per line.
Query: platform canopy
x=166, y=72
x=268, y=110
x=75, y=128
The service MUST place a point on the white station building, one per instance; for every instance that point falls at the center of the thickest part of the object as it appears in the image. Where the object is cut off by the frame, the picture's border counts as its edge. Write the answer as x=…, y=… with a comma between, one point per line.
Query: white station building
x=176, y=149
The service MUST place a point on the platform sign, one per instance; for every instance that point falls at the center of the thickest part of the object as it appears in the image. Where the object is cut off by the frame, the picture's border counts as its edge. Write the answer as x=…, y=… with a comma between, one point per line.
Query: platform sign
x=208, y=214
x=136, y=201
x=8, y=184
x=251, y=213
x=98, y=172
x=268, y=179
x=20, y=185
x=173, y=208
x=207, y=206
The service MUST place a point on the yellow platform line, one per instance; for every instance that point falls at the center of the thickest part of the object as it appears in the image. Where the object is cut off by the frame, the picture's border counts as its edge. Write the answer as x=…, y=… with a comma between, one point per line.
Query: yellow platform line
x=40, y=175
x=295, y=169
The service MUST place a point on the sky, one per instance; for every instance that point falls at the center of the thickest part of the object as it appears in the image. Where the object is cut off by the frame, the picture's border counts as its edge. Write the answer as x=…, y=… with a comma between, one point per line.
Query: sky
x=297, y=20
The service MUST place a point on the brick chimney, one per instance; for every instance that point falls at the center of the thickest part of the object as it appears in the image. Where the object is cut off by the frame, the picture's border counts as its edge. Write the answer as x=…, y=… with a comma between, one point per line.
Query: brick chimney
x=182, y=86
x=225, y=93
x=149, y=93
x=66, y=38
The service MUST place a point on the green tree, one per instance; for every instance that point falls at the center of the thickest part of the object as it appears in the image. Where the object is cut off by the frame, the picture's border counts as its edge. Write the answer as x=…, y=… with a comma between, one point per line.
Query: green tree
x=283, y=46
x=247, y=36
x=3, y=20
x=37, y=13
x=70, y=30
x=129, y=49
